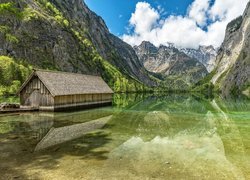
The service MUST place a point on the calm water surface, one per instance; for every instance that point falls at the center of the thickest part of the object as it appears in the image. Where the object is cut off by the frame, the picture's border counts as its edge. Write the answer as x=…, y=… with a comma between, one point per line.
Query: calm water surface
x=140, y=137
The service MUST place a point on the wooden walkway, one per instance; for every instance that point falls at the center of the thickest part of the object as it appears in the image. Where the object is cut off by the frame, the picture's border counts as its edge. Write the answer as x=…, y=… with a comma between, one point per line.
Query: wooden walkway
x=17, y=110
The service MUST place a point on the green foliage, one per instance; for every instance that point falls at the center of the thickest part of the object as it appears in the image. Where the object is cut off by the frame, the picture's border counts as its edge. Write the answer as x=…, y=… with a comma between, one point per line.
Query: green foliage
x=57, y=15
x=11, y=38
x=16, y=84
x=172, y=83
x=5, y=7
x=29, y=14
x=235, y=91
x=207, y=78
x=25, y=14
x=65, y=22
x=116, y=80
x=5, y=30
x=9, y=99
x=207, y=88
x=51, y=7
x=12, y=75
x=205, y=85
x=9, y=8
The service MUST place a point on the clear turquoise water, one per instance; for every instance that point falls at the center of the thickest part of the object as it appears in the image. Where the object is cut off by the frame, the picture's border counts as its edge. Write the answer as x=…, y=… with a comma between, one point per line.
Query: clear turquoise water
x=142, y=137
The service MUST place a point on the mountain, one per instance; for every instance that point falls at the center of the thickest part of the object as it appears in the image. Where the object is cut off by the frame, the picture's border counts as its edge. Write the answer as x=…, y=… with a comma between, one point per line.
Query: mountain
x=68, y=36
x=232, y=73
x=176, y=67
x=204, y=54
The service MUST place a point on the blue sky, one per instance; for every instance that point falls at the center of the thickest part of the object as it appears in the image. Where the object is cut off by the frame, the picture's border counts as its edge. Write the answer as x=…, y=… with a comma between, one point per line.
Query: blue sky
x=117, y=13
x=186, y=23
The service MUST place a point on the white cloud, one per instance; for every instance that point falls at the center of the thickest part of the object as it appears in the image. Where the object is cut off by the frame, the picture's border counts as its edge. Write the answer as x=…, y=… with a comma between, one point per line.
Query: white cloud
x=180, y=31
x=184, y=31
x=137, y=20
x=198, y=11
x=227, y=9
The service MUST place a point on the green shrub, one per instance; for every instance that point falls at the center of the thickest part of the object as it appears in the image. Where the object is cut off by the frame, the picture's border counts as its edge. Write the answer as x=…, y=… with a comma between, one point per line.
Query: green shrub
x=11, y=38
x=4, y=29
x=10, y=9
x=12, y=75
x=55, y=13
x=29, y=14
x=66, y=22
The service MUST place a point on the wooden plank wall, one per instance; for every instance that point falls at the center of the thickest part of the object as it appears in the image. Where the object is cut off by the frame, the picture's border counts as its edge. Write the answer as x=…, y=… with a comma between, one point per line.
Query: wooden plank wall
x=45, y=98
x=76, y=99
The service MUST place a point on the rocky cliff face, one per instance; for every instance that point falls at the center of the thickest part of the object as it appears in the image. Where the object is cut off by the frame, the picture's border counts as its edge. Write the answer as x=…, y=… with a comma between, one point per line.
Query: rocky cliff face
x=171, y=63
x=67, y=36
x=232, y=73
x=110, y=47
x=204, y=54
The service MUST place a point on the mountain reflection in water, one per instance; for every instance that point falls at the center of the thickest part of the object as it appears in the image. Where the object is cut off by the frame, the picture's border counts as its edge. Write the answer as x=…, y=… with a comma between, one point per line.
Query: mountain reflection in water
x=141, y=137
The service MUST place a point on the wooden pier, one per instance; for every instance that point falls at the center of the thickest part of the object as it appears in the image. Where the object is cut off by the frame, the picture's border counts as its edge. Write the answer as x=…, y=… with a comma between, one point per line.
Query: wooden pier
x=18, y=110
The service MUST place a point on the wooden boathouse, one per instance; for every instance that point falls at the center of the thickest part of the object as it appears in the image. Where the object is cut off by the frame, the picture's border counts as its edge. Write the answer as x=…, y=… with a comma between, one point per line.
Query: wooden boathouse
x=56, y=91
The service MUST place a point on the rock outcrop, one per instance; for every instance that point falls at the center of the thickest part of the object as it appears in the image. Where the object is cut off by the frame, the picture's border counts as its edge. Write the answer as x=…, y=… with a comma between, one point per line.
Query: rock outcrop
x=232, y=73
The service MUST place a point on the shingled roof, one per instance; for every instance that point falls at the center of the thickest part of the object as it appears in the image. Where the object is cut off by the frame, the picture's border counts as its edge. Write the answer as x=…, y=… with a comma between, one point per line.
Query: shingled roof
x=64, y=83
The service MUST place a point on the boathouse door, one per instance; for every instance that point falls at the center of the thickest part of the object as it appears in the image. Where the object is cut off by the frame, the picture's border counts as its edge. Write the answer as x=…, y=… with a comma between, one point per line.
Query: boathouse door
x=35, y=98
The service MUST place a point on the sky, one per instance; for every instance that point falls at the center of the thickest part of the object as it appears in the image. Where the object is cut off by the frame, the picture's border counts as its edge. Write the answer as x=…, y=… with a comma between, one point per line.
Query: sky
x=186, y=23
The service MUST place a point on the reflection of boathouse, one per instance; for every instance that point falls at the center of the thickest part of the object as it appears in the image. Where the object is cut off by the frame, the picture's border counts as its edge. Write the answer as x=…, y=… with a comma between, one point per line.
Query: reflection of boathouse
x=50, y=90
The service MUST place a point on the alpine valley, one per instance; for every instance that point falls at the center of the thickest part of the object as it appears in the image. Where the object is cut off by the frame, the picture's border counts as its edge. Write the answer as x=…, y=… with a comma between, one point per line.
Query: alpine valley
x=67, y=36
x=163, y=103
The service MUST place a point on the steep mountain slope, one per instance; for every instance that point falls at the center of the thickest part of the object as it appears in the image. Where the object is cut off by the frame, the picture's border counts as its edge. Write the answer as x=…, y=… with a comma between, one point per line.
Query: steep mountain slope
x=232, y=73
x=108, y=46
x=66, y=35
x=204, y=54
x=175, y=66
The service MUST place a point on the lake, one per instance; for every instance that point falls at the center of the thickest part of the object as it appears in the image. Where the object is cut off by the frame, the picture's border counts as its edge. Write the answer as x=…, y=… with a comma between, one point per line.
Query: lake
x=141, y=136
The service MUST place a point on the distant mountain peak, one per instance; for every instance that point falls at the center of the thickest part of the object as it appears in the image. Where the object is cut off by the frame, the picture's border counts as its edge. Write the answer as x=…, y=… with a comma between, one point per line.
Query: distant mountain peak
x=204, y=54
x=173, y=64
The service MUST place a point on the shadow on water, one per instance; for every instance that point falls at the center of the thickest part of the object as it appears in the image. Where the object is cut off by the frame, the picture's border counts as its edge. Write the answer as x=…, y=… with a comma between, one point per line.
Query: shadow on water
x=144, y=130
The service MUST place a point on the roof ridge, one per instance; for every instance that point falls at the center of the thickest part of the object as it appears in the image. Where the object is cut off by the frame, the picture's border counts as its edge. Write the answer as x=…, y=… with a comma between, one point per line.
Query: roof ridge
x=63, y=72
